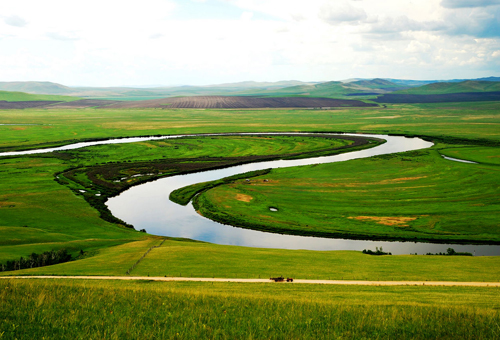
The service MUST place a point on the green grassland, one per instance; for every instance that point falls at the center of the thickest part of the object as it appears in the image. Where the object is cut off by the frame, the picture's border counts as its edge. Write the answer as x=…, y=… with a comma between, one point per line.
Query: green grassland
x=187, y=258
x=37, y=214
x=457, y=120
x=21, y=96
x=410, y=196
x=86, y=309
x=460, y=87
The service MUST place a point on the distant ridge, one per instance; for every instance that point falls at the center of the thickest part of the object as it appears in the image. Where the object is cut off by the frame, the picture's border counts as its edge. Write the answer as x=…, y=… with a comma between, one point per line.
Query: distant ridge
x=454, y=87
x=288, y=88
x=36, y=87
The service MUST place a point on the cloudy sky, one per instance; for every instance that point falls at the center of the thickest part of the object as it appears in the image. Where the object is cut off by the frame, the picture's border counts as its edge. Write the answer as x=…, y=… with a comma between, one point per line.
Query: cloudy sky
x=197, y=42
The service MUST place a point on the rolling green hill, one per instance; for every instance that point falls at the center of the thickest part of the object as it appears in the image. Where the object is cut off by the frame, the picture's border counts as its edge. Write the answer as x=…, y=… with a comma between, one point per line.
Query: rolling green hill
x=36, y=87
x=21, y=97
x=447, y=88
x=331, y=89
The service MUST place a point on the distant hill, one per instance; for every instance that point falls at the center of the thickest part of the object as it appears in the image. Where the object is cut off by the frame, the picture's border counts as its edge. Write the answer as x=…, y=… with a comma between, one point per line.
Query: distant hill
x=36, y=87
x=367, y=88
x=376, y=85
x=439, y=98
x=410, y=82
x=254, y=84
x=454, y=87
x=21, y=97
x=331, y=89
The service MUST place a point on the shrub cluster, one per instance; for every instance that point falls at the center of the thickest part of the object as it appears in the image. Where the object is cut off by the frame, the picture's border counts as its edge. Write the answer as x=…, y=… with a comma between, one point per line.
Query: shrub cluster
x=37, y=260
x=452, y=252
x=376, y=252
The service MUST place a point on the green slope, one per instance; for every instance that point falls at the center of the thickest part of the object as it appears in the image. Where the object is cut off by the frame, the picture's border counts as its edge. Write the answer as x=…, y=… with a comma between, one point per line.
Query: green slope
x=38, y=87
x=447, y=88
x=331, y=89
x=21, y=97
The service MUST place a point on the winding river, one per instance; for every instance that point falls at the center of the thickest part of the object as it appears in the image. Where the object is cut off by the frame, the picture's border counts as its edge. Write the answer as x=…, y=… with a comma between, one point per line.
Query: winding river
x=147, y=206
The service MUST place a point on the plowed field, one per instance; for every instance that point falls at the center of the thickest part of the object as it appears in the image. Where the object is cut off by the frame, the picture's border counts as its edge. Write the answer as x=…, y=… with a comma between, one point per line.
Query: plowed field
x=25, y=104
x=226, y=102
x=83, y=103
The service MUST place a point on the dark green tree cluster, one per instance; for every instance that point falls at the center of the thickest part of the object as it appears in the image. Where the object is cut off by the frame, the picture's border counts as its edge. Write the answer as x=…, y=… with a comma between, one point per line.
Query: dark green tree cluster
x=37, y=260
x=452, y=252
x=376, y=252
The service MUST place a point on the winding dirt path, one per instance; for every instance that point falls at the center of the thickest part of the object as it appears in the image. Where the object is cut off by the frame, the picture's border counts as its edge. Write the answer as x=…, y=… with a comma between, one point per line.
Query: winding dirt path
x=327, y=282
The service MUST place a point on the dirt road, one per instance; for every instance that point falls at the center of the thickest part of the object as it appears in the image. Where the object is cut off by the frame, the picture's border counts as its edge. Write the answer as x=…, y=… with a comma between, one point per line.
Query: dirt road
x=327, y=282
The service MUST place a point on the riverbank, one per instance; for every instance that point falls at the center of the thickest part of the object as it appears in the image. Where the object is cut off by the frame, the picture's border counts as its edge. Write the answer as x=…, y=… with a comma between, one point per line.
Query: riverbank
x=415, y=196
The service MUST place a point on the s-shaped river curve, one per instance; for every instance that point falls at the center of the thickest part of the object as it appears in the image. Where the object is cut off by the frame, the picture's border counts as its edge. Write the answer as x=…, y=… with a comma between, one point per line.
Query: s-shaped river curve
x=147, y=206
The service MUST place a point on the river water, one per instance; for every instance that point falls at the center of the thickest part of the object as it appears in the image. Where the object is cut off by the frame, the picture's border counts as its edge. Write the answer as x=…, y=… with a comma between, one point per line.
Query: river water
x=147, y=206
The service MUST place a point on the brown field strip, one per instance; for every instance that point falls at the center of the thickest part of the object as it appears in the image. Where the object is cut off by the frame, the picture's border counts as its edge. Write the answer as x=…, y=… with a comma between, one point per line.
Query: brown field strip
x=227, y=102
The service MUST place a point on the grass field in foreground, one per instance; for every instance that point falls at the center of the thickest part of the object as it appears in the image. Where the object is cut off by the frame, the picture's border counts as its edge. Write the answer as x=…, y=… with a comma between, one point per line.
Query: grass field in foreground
x=415, y=195
x=89, y=309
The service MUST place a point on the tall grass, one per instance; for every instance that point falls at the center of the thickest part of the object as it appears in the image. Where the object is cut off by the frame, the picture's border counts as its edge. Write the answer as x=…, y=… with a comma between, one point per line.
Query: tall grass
x=96, y=310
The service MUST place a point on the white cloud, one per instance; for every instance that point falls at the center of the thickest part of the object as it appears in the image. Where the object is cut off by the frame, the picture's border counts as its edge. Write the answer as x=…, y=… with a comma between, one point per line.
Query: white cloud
x=15, y=21
x=62, y=36
x=417, y=47
x=246, y=16
x=123, y=42
x=341, y=12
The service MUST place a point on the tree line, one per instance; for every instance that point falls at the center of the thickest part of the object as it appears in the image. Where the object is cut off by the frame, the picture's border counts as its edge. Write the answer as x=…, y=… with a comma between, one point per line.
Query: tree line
x=37, y=260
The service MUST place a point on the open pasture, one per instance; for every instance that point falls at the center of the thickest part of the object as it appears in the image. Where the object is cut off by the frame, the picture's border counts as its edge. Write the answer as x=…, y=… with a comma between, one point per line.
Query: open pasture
x=40, y=212
x=412, y=196
x=457, y=121
x=90, y=309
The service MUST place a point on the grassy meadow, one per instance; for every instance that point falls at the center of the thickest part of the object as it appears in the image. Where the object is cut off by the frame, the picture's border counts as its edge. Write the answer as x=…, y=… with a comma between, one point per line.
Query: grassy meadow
x=416, y=195
x=457, y=120
x=40, y=212
x=10, y=96
x=83, y=309
x=428, y=198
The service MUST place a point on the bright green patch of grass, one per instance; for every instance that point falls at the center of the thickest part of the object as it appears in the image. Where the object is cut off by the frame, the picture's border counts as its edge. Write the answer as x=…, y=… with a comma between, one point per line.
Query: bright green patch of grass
x=475, y=154
x=21, y=97
x=147, y=310
x=197, y=259
x=415, y=195
x=458, y=120
x=177, y=257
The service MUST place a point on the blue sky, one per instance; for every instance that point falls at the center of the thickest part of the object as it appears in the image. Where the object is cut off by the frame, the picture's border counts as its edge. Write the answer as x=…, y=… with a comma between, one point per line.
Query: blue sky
x=198, y=42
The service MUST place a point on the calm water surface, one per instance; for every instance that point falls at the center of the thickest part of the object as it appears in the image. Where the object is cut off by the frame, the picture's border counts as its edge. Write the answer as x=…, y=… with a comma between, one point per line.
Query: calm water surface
x=148, y=206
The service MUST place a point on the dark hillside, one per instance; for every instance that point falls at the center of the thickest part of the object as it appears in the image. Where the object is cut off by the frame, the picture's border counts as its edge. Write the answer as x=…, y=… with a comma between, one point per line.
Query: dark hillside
x=438, y=98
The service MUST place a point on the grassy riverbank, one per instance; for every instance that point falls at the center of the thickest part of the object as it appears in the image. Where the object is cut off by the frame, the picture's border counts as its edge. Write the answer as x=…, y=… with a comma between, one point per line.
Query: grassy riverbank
x=410, y=196
x=40, y=211
x=185, y=258
x=147, y=310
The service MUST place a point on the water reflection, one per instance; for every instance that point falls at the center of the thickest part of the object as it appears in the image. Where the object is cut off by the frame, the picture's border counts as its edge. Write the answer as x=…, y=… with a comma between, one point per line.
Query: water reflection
x=147, y=206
